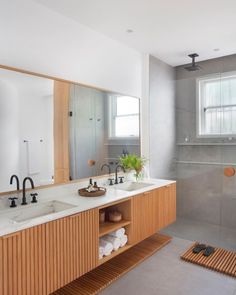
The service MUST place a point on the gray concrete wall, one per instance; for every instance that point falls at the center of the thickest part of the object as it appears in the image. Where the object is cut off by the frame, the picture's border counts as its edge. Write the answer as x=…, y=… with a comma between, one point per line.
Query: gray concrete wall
x=162, y=119
x=203, y=192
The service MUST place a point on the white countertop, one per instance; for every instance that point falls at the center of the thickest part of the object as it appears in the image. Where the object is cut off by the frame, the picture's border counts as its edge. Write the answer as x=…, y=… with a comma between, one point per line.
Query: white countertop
x=67, y=193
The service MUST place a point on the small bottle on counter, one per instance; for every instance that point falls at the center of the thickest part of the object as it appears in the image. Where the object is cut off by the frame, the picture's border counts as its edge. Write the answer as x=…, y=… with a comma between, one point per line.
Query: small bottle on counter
x=90, y=186
x=95, y=186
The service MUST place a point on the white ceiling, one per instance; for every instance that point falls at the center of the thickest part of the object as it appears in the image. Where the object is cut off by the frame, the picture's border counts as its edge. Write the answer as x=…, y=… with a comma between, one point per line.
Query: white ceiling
x=167, y=29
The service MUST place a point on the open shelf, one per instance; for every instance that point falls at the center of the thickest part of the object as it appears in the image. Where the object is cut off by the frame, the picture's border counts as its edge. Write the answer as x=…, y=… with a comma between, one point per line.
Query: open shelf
x=113, y=254
x=108, y=227
x=108, y=272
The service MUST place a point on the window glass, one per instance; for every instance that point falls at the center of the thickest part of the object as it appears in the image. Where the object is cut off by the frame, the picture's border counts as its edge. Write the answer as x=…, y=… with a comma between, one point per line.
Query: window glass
x=124, y=117
x=127, y=105
x=217, y=105
x=127, y=126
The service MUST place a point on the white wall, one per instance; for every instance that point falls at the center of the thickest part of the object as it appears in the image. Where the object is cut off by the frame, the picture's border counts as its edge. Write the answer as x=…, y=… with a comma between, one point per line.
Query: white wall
x=9, y=141
x=26, y=113
x=35, y=124
x=35, y=38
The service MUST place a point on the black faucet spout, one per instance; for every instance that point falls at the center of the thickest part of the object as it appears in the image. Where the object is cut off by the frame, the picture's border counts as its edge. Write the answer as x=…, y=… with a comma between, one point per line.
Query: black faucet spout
x=108, y=166
x=23, y=190
x=116, y=175
x=14, y=176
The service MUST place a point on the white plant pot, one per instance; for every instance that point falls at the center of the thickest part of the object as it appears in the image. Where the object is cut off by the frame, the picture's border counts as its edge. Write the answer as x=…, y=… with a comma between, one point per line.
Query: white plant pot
x=129, y=176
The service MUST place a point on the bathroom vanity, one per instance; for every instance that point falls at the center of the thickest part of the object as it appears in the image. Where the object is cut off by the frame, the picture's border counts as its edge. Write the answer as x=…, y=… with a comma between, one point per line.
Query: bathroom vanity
x=40, y=254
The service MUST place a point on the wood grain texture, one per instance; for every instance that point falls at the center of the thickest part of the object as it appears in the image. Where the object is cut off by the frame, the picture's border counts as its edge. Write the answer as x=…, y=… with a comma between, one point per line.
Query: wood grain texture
x=61, y=132
x=108, y=227
x=164, y=206
x=142, y=218
x=222, y=261
x=22, y=262
x=101, y=277
x=72, y=248
x=152, y=211
x=114, y=254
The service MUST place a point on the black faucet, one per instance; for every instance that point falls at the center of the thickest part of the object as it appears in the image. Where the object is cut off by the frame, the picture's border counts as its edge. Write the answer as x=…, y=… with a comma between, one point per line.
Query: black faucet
x=23, y=190
x=116, y=176
x=108, y=166
x=17, y=181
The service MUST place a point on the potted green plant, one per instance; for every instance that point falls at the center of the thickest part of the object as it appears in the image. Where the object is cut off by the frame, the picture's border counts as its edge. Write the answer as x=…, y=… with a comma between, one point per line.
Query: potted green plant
x=133, y=162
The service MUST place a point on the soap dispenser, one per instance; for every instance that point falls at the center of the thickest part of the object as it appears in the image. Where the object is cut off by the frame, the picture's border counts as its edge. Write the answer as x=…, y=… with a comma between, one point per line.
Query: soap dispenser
x=90, y=186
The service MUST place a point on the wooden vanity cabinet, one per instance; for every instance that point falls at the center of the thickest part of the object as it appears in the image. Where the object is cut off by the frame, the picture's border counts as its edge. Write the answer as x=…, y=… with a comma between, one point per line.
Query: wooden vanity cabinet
x=41, y=259
x=152, y=211
x=164, y=206
x=22, y=262
x=71, y=248
x=142, y=217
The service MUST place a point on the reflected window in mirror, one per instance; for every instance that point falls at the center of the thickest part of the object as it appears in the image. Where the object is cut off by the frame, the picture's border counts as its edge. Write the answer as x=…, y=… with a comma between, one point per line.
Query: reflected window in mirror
x=54, y=131
x=124, y=117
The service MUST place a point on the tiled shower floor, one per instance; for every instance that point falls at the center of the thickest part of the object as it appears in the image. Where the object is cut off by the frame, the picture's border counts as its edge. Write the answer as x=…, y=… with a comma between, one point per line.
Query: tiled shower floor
x=203, y=232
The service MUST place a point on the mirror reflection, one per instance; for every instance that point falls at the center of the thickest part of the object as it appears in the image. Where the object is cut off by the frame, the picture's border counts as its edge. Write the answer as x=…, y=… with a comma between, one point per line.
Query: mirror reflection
x=103, y=127
x=26, y=133
x=55, y=131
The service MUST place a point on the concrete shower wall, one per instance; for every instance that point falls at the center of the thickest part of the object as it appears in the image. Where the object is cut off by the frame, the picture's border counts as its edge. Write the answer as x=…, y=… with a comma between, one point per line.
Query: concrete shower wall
x=162, y=119
x=203, y=192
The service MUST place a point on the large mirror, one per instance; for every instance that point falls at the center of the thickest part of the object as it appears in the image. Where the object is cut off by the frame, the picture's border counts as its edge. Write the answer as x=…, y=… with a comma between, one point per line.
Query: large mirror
x=55, y=131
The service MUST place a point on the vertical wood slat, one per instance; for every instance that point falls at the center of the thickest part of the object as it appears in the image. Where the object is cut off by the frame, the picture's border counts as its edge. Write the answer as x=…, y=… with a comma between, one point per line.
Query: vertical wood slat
x=142, y=217
x=152, y=211
x=72, y=248
x=164, y=206
x=221, y=260
x=61, y=131
x=101, y=277
x=22, y=262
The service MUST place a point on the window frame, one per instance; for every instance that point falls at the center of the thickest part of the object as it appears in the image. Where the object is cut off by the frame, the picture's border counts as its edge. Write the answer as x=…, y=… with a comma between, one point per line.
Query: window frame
x=200, y=118
x=112, y=114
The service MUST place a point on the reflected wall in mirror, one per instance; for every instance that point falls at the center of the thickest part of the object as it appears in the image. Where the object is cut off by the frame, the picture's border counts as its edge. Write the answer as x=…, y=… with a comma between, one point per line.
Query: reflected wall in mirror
x=103, y=127
x=55, y=131
x=26, y=133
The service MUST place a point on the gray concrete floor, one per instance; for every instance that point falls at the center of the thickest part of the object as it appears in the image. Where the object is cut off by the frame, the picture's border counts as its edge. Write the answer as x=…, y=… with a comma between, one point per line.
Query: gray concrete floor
x=211, y=234
x=165, y=274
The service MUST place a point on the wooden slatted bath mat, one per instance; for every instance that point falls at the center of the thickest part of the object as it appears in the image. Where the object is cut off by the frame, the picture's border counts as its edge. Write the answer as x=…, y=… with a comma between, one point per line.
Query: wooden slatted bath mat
x=102, y=276
x=221, y=260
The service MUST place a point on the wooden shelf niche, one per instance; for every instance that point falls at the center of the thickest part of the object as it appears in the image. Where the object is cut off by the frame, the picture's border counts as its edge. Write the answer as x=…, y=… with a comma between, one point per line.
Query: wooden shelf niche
x=125, y=208
x=107, y=227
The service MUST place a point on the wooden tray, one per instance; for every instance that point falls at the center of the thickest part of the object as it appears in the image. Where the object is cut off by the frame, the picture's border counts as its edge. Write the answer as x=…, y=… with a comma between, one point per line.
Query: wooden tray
x=100, y=192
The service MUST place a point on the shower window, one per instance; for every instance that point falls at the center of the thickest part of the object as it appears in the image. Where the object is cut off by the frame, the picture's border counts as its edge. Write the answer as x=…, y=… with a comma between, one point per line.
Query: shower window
x=124, y=117
x=217, y=105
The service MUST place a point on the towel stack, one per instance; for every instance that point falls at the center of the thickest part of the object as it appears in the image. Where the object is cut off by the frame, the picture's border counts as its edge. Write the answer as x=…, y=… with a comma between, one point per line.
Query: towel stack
x=113, y=241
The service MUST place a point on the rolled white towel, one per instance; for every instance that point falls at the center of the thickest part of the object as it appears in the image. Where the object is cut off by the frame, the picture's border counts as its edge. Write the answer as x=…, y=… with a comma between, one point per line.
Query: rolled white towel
x=118, y=233
x=107, y=247
x=101, y=252
x=123, y=240
x=113, y=240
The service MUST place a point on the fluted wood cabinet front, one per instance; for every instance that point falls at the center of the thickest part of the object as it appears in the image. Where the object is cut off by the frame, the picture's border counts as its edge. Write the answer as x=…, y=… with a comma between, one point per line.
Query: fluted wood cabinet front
x=22, y=262
x=72, y=248
x=164, y=206
x=152, y=211
x=142, y=217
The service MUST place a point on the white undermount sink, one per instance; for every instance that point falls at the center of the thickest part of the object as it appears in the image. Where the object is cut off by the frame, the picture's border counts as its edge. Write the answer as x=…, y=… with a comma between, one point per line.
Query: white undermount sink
x=38, y=210
x=132, y=186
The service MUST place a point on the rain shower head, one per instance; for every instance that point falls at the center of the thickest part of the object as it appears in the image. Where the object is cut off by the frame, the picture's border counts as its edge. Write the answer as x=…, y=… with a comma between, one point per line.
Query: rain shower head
x=193, y=67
